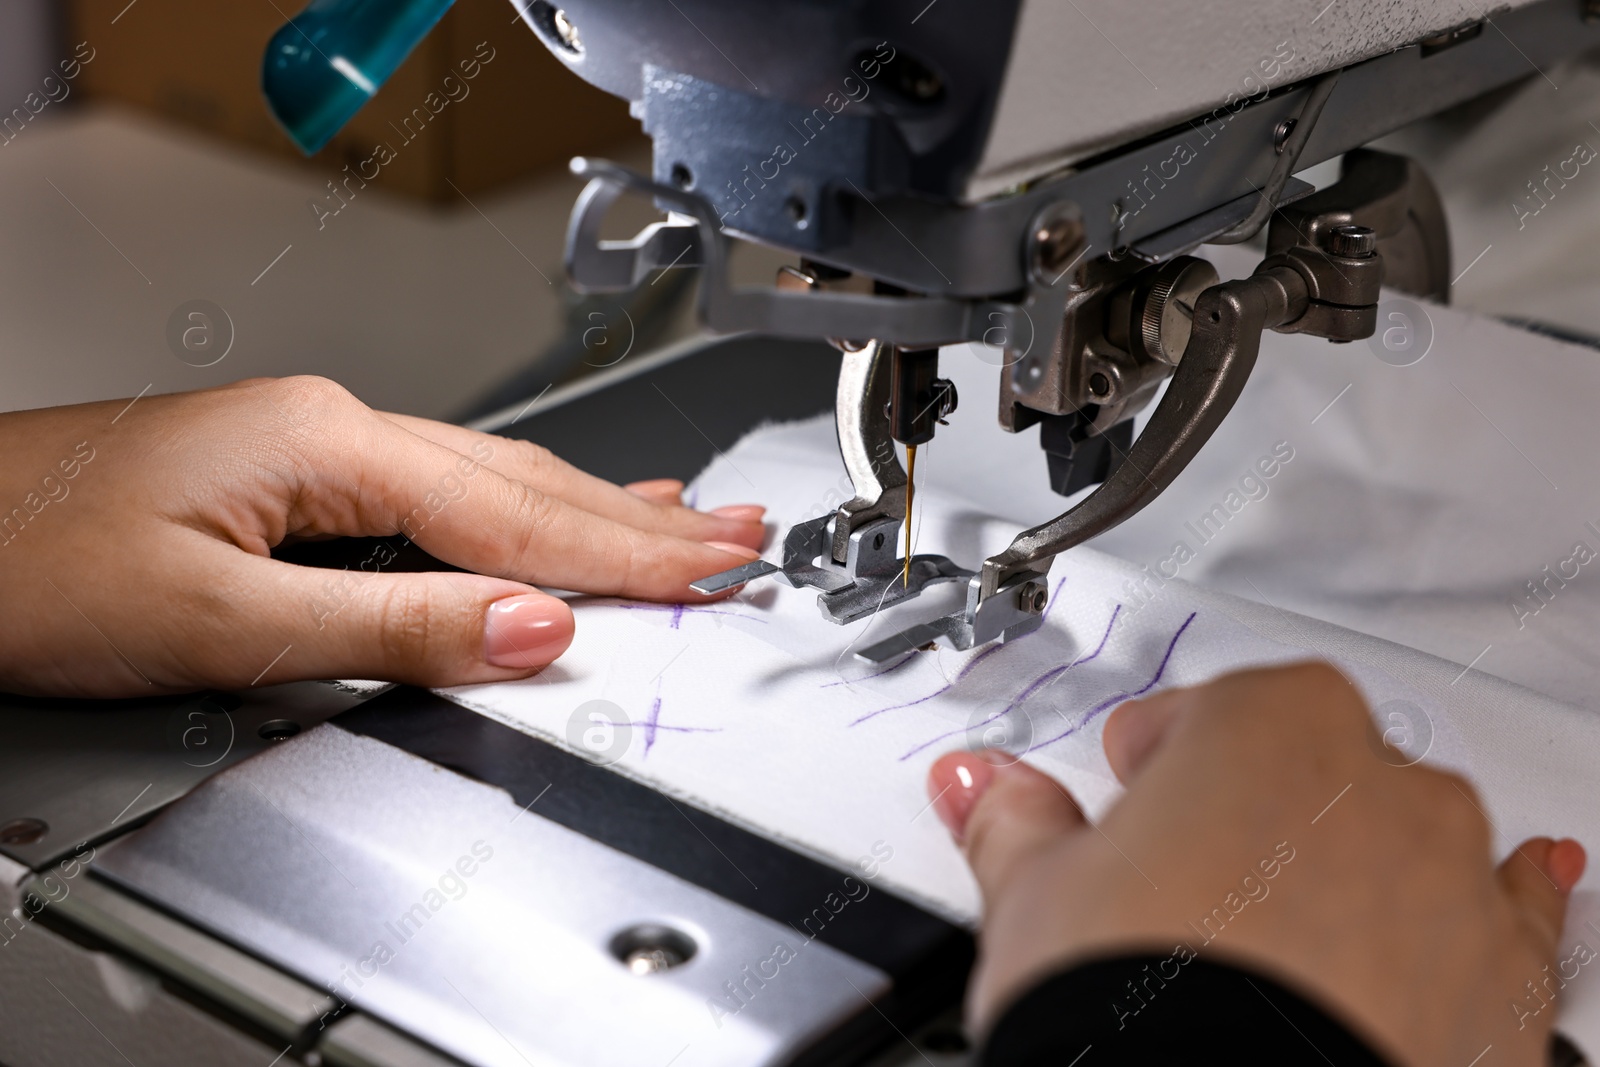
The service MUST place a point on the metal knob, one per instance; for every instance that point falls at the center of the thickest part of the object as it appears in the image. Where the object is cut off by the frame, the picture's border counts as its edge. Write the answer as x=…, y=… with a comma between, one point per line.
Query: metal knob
x=1353, y=242
x=1165, y=316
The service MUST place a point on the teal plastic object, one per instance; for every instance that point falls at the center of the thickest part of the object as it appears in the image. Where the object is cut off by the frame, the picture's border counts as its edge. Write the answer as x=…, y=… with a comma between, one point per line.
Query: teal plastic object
x=326, y=64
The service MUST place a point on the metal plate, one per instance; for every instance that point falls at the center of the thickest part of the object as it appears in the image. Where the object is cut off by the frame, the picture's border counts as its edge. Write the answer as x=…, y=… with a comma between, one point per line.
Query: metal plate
x=443, y=907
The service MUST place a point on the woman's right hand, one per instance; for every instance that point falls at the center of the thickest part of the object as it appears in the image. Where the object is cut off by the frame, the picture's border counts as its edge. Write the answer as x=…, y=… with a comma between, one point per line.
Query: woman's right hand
x=1261, y=827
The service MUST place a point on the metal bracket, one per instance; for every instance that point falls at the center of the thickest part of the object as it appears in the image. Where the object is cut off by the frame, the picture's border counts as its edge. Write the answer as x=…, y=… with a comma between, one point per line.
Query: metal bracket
x=860, y=572
x=922, y=321
x=1014, y=610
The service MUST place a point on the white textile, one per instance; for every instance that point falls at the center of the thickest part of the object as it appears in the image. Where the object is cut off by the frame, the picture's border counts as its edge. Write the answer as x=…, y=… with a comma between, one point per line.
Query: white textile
x=1377, y=518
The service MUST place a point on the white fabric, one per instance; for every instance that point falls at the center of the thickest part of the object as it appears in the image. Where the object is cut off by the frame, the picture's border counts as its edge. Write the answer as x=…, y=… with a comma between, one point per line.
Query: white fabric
x=1411, y=510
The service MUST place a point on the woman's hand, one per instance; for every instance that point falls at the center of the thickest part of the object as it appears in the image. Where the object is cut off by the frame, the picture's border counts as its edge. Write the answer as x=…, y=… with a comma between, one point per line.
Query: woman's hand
x=1261, y=827
x=134, y=543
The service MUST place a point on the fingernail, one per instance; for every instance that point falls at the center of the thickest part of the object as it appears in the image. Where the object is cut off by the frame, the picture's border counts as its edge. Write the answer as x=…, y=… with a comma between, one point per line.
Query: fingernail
x=1565, y=863
x=526, y=631
x=741, y=512
x=954, y=785
x=738, y=550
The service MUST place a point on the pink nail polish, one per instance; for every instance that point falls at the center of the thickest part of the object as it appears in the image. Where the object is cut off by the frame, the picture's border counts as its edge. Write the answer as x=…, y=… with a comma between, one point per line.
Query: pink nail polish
x=522, y=632
x=955, y=783
x=737, y=550
x=740, y=512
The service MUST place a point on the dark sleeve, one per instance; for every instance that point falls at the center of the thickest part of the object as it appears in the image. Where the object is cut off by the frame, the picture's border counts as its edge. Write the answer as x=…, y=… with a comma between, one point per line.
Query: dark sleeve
x=1168, y=1010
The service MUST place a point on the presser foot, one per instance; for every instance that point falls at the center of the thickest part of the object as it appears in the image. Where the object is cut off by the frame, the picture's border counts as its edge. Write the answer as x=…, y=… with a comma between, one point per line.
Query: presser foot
x=868, y=594
x=873, y=578
x=1015, y=609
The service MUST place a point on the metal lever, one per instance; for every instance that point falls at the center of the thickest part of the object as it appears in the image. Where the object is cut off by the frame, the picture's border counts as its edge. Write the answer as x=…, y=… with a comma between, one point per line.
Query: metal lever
x=1228, y=322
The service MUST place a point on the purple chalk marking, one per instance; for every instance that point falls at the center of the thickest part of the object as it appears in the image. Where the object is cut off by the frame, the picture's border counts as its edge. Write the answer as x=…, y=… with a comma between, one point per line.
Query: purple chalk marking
x=680, y=610
x=653, y=724
x=965, y=670
x=1106, y=705
x=1044, y=679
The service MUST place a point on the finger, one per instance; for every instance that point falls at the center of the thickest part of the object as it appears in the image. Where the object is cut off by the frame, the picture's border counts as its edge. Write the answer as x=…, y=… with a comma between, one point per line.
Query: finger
x=527, y=462
x=1000, y=814
x=430, y=629
x=658, y=490
x=1537, y=877
x=477, y=519
x=1136, y=730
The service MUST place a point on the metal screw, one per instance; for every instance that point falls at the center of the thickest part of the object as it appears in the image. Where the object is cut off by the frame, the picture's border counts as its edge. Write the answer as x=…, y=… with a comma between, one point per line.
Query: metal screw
x=1280, y=134
x=650, y=960
x=650, y=949
x=1056, y=239
x=277, y=729
x=1031, y=598
x=23, y=831
x=566, y=30
x=1352, y=242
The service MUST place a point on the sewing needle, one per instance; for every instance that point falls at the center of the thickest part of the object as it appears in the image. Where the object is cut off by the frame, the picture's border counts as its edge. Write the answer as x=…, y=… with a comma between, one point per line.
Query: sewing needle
x=911, y=474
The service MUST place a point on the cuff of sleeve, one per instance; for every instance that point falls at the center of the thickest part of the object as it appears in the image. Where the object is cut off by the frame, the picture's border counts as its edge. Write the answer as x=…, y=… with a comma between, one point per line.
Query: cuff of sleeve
x=1168, y=1009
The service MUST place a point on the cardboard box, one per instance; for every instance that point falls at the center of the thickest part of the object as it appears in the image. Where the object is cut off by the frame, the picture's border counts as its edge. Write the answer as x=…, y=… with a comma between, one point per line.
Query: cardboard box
x=198, y=62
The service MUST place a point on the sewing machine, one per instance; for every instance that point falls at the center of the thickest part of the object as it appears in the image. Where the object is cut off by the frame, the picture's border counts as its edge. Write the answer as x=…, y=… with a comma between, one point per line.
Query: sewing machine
x=1010, y=177
x=1003, y=175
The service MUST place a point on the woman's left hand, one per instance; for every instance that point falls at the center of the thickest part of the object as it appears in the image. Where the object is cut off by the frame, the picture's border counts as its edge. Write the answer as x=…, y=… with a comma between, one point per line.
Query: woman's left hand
x=135, y=544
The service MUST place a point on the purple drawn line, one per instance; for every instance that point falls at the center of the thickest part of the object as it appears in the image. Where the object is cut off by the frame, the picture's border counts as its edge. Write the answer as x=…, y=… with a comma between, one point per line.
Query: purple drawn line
x=1043, y=679
x=679, y=610
x=1112, y=702
x=965, y=670
x=652, y=724
x=971, y=663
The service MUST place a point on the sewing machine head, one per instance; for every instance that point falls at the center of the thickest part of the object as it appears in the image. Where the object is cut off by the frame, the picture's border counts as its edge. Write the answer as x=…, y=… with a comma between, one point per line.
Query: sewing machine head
x=1007, y=173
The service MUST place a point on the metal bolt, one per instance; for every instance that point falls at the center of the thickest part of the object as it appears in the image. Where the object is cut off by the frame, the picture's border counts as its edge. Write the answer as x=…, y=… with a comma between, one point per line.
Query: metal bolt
x=1056, y=239
x=277, y=729
x=944, y=399
x=650, y=949
x=651, y=960
x=1280, y=134
x=566, y=30
x=23, y=831
x=1031, y=598
x=1352, y=242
